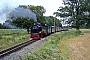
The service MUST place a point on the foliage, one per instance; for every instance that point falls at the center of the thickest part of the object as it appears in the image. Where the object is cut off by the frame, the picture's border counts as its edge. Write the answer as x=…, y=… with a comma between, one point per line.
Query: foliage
x=11, y=37
x=23, y=23
x=77, y=10
x=49, y=49
x=3, y=27
x=38, y=10
x=49, y=20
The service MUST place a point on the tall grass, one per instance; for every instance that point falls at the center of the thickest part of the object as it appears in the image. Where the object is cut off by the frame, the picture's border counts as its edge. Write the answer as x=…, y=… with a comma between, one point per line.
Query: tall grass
x=11, y=37
x=48, y=51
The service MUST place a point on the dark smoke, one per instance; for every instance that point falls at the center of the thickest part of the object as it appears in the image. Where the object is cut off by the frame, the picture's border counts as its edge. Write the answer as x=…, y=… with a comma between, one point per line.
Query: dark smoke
x=22, y=13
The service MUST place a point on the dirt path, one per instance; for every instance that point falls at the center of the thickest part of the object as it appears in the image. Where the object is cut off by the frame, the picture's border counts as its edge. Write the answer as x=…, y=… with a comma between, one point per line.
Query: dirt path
x=80, y=47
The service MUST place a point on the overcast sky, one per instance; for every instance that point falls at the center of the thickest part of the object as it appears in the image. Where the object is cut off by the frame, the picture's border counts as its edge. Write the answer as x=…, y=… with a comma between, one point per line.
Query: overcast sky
x=50, y=6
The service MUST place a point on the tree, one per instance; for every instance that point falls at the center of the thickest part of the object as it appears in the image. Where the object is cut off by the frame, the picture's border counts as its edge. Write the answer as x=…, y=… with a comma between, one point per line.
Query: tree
x=3, y=27
x=23, y=23
x=38, y=10
x=49, y=20
x=76, y=10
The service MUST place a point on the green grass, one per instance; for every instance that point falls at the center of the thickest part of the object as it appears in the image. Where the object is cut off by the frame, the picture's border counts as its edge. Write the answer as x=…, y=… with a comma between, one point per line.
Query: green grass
x=85, y=30
x=49, y=49
x=11, y=37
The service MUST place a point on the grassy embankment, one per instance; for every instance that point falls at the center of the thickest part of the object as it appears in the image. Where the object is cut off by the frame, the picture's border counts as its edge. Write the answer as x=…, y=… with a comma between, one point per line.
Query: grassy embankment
x=11, y=37
x=63, y=45
x=51, y=50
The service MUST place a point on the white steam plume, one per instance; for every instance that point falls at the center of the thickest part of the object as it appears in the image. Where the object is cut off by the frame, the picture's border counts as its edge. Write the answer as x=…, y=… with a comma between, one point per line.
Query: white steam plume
x=5, y=7
x=4, y=11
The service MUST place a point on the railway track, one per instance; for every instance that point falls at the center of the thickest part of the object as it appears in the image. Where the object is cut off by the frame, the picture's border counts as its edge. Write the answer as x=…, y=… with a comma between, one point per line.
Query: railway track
x=15, y=48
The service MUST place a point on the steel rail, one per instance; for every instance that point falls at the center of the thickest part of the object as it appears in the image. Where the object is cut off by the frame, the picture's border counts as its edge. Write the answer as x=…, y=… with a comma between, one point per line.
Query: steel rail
x=15, y=48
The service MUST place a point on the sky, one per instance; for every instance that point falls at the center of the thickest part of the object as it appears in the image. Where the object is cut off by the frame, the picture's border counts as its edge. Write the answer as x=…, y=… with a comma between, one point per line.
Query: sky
x=6, y=6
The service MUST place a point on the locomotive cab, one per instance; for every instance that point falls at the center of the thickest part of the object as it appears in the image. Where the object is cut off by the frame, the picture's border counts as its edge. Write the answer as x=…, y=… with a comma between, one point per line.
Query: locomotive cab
x=38, y=31
x=35, y=33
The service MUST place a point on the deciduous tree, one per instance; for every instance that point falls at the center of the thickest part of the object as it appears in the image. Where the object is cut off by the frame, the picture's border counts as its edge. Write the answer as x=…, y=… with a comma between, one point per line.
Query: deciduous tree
x=23, y=23
x=77, y=10
x=38, y=10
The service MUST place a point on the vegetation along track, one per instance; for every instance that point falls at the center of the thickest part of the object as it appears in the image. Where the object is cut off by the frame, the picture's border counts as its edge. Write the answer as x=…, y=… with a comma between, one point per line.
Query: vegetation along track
x=15, y=48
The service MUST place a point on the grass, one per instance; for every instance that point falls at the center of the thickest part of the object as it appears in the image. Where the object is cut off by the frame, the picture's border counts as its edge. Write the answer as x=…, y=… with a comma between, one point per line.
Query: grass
x=50, y=49
x=63, y=45
x=85, y=30
x=11, y=37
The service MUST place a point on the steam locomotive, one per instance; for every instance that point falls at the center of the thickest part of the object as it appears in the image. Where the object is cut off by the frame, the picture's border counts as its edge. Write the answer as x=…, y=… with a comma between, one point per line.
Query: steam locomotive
x=39, y=31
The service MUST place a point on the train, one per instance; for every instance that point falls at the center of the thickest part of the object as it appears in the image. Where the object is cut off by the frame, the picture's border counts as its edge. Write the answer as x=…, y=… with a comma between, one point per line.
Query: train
x=39, y=31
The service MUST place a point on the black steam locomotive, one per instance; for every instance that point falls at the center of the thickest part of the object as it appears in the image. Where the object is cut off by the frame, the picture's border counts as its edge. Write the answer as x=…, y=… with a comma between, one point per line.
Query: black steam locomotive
x=39, y=31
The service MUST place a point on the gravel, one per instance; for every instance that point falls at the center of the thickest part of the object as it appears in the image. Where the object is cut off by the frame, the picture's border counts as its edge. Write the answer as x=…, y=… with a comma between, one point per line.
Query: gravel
x=25, y=51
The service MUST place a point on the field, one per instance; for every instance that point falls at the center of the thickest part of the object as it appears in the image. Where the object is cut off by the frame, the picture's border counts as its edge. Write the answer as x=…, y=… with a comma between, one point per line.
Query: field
x=51, y=49
x=79, y=47
x=11, y=37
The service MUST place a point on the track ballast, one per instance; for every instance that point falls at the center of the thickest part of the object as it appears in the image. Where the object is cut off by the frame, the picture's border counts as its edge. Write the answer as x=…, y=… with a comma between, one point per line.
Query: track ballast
x=15, y=48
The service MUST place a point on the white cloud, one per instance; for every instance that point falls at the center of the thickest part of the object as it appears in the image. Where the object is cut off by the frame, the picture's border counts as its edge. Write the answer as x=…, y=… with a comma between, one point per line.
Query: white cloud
x=50, y=5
